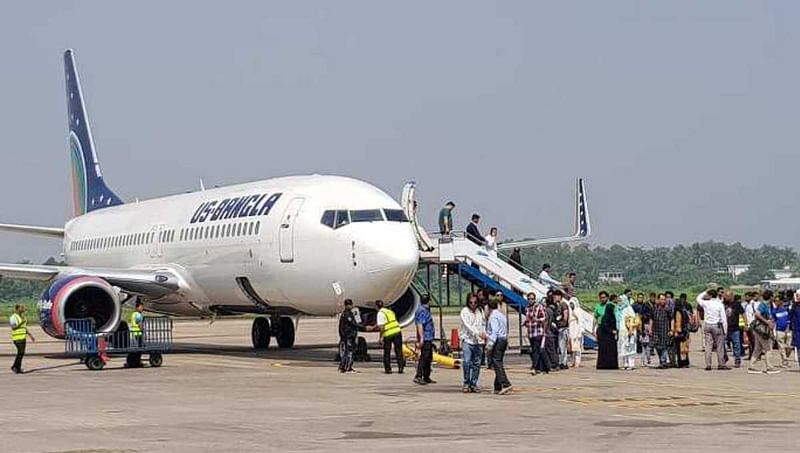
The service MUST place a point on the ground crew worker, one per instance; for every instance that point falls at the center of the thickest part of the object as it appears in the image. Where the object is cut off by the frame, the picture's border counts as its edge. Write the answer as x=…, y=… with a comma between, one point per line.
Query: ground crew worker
x=136, y=328
x=349, y=327
x=425, y=336
x=19, y=334
x=390, y=334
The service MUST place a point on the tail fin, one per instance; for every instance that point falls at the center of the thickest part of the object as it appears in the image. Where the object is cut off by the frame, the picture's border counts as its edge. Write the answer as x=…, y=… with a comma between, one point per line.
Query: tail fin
x=89, y=191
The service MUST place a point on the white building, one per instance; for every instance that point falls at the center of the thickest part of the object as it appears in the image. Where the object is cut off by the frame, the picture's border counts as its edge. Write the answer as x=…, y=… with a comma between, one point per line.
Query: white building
x=611, y=277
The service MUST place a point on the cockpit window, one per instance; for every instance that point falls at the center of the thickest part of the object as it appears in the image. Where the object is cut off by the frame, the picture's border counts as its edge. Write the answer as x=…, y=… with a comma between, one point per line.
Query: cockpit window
x=328, y=218
x=395, y=215
x=366, y=215
x=342, y=219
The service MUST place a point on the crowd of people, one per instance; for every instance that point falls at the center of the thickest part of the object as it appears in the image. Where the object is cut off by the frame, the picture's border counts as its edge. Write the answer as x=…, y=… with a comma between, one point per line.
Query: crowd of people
x=657, y=332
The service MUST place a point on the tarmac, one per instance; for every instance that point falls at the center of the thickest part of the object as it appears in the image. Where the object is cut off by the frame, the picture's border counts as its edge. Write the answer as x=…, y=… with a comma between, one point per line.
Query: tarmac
x=214, y=393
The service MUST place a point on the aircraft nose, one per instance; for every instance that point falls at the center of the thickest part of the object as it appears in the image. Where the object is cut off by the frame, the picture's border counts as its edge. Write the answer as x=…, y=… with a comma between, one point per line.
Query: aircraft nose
x=391, y=256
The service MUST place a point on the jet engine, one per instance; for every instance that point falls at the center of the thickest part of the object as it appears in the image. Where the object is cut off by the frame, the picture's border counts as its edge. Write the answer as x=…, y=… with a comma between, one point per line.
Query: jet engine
x=75, y=297
x=404, y=309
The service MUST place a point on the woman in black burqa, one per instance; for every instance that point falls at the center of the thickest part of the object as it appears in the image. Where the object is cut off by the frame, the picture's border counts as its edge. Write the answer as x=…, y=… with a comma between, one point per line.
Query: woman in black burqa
x=607, y=337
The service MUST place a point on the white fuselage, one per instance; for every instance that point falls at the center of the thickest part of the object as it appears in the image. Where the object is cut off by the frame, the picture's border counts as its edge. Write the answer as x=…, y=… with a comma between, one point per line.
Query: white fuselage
x=270, y=233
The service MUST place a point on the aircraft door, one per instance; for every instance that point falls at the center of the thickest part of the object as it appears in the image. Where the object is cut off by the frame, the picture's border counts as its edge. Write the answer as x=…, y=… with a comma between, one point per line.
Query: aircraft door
x=155, y=246
x=286, y=232
x=409, y=202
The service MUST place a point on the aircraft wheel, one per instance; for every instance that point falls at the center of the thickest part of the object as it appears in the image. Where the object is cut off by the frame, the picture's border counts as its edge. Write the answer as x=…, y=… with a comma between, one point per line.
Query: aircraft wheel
x=260, y=333
x=285, y=334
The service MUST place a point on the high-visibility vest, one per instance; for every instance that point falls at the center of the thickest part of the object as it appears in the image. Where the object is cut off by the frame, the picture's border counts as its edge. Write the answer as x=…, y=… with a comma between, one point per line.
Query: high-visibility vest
x=135, y=328
x=392, y=327
x=20, y=332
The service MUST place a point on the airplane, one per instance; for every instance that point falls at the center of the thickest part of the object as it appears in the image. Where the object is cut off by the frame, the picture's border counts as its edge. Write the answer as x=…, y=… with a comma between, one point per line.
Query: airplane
x=278, y=248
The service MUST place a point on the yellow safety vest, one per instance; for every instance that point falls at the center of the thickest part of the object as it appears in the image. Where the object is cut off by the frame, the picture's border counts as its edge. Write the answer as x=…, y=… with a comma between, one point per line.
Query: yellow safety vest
x=392, y=327
x=135, y=328
x=20, y=332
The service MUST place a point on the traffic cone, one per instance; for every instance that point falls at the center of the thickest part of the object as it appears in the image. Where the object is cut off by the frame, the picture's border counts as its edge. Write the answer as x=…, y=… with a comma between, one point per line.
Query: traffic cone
x=455, y=341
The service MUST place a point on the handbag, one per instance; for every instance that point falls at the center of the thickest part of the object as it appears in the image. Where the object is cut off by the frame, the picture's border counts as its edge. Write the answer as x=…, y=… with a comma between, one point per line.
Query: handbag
x=761, y=328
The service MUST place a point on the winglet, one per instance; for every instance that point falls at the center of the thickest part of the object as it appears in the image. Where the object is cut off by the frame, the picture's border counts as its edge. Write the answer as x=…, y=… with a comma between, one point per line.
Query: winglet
x=583, y=228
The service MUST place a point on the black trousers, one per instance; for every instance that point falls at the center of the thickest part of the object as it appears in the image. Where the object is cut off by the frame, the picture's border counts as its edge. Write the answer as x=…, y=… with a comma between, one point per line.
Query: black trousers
x=397, y=342
x=425, y=361
x=346, y=348
x=551, y=349
x=134, y=359
x=496, y=357
x=539, y=359
x=20, y=344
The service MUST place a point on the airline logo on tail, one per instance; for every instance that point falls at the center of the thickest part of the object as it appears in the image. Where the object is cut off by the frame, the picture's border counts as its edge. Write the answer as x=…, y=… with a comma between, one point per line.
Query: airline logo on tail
x=89, y=191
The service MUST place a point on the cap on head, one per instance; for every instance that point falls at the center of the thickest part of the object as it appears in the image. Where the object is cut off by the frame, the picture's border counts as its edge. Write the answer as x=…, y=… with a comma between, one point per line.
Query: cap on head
x=348, y=302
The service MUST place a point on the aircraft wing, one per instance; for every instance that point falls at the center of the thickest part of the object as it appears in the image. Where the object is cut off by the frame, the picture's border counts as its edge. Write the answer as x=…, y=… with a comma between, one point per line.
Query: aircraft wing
x=583, y=228
x=149, y=283
x=52, y=232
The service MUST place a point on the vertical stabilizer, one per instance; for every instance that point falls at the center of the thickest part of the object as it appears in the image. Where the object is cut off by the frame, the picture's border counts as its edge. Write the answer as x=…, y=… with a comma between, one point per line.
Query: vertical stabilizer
x=89, y=191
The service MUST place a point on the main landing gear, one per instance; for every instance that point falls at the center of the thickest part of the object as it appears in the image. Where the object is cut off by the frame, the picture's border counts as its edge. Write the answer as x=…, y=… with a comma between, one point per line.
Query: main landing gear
x=282, y=328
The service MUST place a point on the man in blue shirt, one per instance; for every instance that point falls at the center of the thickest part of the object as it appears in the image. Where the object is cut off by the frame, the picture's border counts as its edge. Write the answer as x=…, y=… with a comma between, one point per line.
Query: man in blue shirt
x=446, y=218
x=425, y=335
x=780, y=316
x=496, y=344
x=763, y=327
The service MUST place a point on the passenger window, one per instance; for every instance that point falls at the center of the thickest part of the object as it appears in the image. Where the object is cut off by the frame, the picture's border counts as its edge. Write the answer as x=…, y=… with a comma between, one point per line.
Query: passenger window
x=258, y=226
x=328, y=218
x=342, y=219
x=366, y=215
x=250, y=230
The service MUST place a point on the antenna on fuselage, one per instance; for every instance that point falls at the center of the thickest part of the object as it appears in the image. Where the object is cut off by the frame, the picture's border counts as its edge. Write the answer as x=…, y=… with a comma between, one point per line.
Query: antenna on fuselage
x=202, y=185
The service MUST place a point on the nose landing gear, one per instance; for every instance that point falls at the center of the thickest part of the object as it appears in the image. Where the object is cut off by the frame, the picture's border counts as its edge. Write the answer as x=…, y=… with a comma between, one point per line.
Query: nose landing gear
x=282, y=328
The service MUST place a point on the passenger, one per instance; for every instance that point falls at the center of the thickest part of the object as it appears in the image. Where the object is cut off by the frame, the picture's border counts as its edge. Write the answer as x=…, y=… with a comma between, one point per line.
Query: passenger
x=551, y=332
x=446, y=218
x=491, y=242
x=473, y=338
x=473, y=233
x=562, y=324
x=600, y=308
x=749, y=317
x=607, y=336
x=627, y=327
x=349, y=327
x=780, y=316
x=644, y=310
x=762, y=333
x=734, y=312
x=681, y=331
x=569, y=286
x=673, y=359
x=545, y=277
x=575, y=334
x=425, y=336
x=535, y=321
x=19, y=335
x=390, y=335
x=662, y=330
x=794, y=323
x=497, y=343
x=515, y=260
x=715, y=324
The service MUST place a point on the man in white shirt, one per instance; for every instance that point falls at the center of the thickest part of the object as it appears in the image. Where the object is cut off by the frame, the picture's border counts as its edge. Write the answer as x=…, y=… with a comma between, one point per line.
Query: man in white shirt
x=749, y=306
x=473, y=336
x=715, y=326
x=545, y=277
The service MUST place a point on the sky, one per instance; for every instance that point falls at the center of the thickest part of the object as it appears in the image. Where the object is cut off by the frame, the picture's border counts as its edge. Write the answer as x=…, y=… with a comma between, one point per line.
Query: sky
x=681, y=116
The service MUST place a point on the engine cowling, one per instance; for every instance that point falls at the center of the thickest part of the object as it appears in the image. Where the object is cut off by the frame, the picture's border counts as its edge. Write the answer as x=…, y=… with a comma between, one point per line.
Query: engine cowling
x=79, y=296
x=404, y=309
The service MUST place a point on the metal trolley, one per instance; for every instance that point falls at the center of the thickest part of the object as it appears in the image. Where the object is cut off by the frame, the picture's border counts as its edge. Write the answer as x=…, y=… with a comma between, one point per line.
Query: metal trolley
x=82, y=340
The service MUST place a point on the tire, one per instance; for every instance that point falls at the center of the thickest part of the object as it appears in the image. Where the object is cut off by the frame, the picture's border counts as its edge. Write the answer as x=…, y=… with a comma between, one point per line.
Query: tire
x=260, y=333
x=285, y=334
x=95, y=363
x=156, y=359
